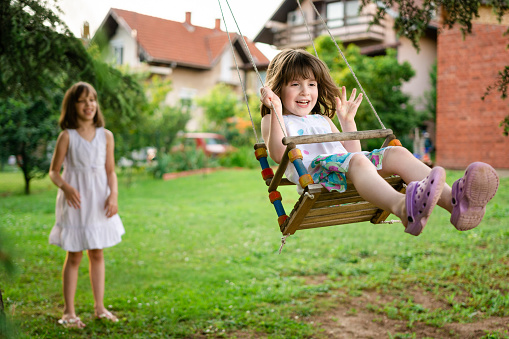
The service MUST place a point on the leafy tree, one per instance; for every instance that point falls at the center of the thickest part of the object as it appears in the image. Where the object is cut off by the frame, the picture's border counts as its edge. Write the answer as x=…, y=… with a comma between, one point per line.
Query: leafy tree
x=160, y=129
x=27, y=130
x=227, y=113
x=381, y=78
x=414, y=17
x=219, y=104
x=160, y=123
x=37, y=51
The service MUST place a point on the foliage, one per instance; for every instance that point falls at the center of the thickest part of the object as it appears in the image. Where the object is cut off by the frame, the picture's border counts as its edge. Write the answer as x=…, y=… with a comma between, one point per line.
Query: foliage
x=381, y=78
x=241, y=157
x=186, y=160
x=414, y=17
x=160, y=123
x=26, y=130
x=37, y=48
x=219, y=104
x=228, y=114
x=199, y=259
x=238, y=130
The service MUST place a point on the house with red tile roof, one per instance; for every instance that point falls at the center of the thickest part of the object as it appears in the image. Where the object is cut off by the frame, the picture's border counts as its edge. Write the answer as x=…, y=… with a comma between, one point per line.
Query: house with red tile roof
x=195, y=58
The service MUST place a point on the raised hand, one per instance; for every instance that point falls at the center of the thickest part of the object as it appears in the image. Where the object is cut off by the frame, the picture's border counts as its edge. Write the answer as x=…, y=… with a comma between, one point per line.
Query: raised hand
x=347, y=109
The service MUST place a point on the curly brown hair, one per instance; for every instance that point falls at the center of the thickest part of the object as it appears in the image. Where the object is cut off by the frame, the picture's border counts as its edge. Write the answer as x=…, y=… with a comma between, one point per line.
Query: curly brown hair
x=291, y=64
x=68, y=114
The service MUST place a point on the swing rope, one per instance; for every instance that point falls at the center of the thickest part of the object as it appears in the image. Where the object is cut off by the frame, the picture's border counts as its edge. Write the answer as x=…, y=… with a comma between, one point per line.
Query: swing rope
x=240, y=78
x=344, y=58
x=252, y=62
x=307, y=28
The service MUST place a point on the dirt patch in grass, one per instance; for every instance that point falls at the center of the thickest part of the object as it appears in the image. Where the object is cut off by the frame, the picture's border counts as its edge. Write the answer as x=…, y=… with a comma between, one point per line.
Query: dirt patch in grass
x=352, y=319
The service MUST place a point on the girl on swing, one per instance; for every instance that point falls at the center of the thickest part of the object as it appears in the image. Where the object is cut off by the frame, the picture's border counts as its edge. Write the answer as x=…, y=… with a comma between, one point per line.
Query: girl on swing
x=304, y=96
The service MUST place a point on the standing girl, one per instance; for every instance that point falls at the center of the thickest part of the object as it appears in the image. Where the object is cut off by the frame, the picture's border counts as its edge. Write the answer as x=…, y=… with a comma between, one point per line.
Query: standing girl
x=301, y=92
x=86, y=206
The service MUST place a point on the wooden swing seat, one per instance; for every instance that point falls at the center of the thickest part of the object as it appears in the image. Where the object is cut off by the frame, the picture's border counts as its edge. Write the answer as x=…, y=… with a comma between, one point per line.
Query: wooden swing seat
x=318, y=207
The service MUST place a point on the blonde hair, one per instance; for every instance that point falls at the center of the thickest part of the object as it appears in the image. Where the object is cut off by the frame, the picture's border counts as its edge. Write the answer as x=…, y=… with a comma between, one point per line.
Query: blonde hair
x=68, y=114
x=292, y=64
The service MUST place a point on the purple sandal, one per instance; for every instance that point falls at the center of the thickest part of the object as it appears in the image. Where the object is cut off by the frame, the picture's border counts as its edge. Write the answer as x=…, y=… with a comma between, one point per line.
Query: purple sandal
x=421, y=198
x=471, y=193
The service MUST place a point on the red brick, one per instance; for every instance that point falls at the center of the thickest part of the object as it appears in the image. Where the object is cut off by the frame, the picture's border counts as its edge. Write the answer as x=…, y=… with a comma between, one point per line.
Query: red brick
x=468, y=128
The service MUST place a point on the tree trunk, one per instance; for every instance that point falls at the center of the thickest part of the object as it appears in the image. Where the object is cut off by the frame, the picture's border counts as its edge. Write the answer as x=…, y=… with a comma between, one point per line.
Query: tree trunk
x=20, y=159
x=27, y=178
x=27, y=185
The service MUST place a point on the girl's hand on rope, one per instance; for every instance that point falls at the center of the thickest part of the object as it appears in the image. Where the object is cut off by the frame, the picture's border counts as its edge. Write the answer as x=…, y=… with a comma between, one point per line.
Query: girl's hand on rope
x=346, y=109
x=269, y=99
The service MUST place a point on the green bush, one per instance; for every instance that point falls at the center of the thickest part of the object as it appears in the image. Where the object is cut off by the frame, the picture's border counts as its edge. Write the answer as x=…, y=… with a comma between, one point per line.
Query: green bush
x=189, y=159
x=242, y=157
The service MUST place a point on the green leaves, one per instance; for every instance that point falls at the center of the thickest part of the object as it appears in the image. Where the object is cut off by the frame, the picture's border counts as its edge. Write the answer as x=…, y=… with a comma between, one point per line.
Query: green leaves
x=26, y=130
x=37, y=51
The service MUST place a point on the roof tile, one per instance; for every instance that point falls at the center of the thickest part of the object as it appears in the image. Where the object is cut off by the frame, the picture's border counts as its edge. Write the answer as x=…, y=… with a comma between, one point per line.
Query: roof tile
x=171, y=41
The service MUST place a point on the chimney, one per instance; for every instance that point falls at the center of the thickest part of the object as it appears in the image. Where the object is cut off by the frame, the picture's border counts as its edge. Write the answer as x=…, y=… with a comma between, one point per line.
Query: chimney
x=86, y=30
x=218, y=24
x=188, y=18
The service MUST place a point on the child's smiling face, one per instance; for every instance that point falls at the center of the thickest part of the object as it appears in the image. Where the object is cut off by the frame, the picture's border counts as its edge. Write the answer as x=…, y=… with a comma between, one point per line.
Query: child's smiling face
x=299, y=96
x=86, y=106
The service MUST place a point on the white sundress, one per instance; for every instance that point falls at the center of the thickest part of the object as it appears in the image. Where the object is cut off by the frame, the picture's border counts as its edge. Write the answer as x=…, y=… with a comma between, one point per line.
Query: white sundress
x=88, y=227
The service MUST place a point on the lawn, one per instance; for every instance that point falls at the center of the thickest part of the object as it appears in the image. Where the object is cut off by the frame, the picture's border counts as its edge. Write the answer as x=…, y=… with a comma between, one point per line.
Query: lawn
x=200, y=259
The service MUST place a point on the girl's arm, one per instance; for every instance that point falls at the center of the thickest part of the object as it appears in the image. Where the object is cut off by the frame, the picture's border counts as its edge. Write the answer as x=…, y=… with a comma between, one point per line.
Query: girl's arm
x=346, y=111
x=111, y=204
x=271, y=129
x=71, y=194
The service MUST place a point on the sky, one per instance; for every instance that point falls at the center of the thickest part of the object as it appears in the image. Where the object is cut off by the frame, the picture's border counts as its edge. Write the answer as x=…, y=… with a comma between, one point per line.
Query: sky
x=250, y=15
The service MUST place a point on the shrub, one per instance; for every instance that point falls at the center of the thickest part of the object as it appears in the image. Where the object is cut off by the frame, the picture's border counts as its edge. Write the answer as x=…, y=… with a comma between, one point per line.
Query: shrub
x=242, y=157
x=189, y=159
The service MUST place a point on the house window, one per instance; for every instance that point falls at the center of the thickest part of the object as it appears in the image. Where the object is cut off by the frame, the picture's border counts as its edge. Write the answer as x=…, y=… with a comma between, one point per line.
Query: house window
x=226, y=67
x=295, y=18
x=186, y=96
x=352, y=12
x=342, y=13
x=117, y=48
x=118, y=52
x=335, y=14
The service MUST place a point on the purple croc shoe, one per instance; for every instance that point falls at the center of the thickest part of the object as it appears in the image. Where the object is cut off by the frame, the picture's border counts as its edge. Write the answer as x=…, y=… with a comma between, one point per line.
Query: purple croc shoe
x=421, y=198
x=471, y=193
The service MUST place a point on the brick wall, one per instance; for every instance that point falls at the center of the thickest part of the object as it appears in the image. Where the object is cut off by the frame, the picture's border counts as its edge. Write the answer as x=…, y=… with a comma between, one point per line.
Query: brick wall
x=468, y=128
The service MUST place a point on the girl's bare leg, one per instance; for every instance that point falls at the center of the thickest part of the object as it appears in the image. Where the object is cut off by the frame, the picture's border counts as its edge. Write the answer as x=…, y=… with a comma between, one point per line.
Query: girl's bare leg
x=398, y=160
x=97, y=276
x=373, y=188
x=70, y=281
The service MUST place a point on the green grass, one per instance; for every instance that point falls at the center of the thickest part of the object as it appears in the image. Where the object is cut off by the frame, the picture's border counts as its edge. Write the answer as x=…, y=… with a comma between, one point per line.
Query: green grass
x=199, y=259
